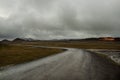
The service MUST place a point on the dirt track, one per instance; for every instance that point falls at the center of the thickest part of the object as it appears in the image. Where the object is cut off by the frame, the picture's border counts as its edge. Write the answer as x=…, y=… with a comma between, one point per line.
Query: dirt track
x=74, y=64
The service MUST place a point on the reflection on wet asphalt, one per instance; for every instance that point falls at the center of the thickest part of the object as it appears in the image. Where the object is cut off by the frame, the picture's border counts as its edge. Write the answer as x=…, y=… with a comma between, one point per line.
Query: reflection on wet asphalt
x=74, y=64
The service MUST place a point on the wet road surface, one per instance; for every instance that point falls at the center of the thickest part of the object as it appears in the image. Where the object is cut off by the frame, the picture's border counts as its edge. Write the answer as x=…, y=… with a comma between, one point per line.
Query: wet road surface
x=74, y=64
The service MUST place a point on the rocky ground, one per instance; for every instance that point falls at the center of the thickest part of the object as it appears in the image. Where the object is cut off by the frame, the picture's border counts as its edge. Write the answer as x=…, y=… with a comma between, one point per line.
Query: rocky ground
x=111, y=54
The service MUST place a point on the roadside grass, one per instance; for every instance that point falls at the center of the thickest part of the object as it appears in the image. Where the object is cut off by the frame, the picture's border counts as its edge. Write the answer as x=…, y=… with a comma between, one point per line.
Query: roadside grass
x=15, y=54
x=3, y=46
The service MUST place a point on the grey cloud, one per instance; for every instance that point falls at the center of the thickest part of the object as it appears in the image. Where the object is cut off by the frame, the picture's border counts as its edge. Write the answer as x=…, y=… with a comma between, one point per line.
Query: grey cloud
x=48, y=19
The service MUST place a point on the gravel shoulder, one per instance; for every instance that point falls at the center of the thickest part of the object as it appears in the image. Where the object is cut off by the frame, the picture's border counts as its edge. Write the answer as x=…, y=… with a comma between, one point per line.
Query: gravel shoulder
x=112, y=54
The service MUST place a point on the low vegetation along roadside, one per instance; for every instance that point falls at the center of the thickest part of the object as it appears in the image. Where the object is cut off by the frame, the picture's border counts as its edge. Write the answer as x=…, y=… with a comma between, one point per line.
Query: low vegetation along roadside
x=15, y=54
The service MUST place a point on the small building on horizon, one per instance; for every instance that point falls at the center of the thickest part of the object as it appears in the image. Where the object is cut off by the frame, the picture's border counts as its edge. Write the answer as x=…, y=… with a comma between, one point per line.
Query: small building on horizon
x=107, y=39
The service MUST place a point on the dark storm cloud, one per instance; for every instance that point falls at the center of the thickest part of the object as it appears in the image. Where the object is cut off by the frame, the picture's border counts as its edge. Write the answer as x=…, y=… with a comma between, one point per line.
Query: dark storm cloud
x=48, y=19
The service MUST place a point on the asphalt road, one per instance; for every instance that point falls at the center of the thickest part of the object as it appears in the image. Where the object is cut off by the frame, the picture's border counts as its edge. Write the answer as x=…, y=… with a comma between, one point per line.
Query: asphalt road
x=74, y=64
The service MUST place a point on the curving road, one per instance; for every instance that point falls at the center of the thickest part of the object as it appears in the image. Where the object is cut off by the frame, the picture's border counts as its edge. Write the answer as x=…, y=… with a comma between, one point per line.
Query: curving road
x=74, y=64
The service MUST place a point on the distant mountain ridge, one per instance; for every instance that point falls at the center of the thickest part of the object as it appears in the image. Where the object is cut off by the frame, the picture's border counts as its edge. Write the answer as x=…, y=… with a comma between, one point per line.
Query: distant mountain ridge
x=23, y=39
x=86, y=39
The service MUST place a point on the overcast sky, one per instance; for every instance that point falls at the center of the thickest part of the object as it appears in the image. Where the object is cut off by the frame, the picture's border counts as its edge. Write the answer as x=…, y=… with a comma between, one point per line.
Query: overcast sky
x=55, y=19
